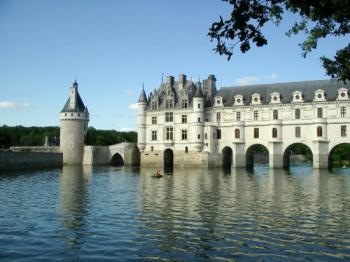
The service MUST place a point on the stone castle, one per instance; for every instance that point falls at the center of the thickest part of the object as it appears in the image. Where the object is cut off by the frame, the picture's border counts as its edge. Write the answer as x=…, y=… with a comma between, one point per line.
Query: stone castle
x=186, y=123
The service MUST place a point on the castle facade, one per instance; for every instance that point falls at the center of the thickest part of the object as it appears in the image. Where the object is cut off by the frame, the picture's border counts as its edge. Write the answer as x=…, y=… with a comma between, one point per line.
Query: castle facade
x=186, y=123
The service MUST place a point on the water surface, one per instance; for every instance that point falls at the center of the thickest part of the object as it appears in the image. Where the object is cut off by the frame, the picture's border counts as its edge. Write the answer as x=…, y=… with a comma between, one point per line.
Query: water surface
x=119, y=214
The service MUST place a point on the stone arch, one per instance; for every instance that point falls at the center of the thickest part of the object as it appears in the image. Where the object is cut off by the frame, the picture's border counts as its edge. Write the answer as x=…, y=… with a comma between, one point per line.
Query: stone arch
x=117, y=160
x=296, y=149
x=252, y=150
x=168, y=158
x=227, y=154
x=339, y=156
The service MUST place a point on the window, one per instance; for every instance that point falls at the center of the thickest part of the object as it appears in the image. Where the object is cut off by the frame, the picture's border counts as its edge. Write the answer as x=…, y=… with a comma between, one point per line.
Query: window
x=186, y=149
x=169, y=133
x=297, y=113
x=319, y=112
x=256, y=132
x=184, y=103
x=256, y=115
x=199, y=136
x=199, y=119
x=274, y=132
x=184, y=119
x=343, y=131
x=297, y=131
x=237, y=133
x=238, y=116
x=168, y=104
x=275, y=114
x=218, y=134
x=205, y=136
x=154, y=135
x=218, y=116
x=151, y=148
x=319, y=131
x=184, y=134
x=71, y=114
x=154, y=105
x=78, y=114
x=154, y=120
x=342, y=111
x=199, y=105
x=168, y=116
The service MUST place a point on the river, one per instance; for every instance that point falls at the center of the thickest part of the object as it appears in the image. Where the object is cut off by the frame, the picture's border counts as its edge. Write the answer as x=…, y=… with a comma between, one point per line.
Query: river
x=123, y=214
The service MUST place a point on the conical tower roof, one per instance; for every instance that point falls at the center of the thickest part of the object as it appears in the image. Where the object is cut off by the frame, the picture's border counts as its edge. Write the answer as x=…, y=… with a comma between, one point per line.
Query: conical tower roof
x=199, y=92
x=79, y=105
x=143, y=97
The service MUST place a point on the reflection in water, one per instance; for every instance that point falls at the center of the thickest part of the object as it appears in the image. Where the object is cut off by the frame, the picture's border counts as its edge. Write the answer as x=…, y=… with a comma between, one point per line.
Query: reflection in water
x=187, y=215
x=267, y=213
x=73, y=202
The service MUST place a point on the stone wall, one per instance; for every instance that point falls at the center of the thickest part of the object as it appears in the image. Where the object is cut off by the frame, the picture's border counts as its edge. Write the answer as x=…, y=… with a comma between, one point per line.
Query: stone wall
x=28, y=160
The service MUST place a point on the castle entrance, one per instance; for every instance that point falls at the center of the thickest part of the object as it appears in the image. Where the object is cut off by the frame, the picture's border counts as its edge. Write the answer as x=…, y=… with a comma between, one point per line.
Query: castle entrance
x=226, y=157
x=168, y=158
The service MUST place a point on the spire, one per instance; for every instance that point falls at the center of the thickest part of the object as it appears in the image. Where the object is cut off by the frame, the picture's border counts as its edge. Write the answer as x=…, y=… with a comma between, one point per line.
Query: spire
x=198, y=92
x=75, y=84
x=143, y=97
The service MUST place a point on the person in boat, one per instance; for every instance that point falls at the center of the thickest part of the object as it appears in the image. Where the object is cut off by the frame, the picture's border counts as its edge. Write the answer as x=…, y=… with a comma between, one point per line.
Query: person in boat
x=157, y=173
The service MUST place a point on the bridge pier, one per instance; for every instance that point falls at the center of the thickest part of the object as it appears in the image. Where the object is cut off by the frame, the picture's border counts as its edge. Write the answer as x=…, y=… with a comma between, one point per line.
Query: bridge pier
x=238, y=155
x=275, y=154
x=320, y=154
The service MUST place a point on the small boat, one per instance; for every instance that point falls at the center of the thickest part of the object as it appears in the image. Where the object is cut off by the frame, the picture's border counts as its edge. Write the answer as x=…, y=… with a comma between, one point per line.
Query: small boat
x=157, y=175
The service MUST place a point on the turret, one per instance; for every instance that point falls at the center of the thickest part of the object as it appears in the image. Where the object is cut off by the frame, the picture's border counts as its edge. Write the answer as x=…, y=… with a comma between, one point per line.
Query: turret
x=141, y=121
x=74, y=119
x=198, y=121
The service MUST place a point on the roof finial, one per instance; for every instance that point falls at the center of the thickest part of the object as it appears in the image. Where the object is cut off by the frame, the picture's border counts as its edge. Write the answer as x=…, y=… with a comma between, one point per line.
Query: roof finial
x=162, y=77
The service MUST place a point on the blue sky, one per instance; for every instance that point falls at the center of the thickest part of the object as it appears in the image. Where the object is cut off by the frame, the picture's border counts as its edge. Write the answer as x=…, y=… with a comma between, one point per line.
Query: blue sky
x=112, y=47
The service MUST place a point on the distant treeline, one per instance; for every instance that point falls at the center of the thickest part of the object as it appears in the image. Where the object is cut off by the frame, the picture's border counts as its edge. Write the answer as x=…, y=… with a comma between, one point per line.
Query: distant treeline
x=35, y=136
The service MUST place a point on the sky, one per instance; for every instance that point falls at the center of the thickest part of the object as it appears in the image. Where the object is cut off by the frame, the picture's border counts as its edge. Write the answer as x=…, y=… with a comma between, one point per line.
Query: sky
x=112, y=48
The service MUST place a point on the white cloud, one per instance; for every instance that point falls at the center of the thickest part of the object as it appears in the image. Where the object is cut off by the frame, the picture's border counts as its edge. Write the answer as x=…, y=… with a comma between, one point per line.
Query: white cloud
x=127, y=129
x=246, y=80
x=274, y=76
x=11, y=105
x=133, y=106
x=129, y=92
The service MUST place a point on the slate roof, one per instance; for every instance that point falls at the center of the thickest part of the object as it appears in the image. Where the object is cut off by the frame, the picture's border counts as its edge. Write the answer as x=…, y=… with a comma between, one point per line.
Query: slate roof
x=143, y=97
x=286, y=90
x=199, y=92
x=79, y=106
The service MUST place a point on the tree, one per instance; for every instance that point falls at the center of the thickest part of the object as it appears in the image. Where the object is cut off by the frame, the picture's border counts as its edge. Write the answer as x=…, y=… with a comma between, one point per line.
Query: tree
x=317, y=19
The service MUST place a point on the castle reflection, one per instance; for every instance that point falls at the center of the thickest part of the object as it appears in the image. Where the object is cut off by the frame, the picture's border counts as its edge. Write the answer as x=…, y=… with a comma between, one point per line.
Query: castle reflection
x=74, y=200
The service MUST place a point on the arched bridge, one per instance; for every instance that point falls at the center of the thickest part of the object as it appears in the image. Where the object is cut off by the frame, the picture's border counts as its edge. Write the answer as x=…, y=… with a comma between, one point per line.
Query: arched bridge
x=117, y=155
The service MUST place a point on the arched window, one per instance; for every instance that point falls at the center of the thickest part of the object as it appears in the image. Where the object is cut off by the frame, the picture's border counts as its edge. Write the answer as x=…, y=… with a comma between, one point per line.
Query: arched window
x=237, y=133
x=274, y=132
x=319, y=131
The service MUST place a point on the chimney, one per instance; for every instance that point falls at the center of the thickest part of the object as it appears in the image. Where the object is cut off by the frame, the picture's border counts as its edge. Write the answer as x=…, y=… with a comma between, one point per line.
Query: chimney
x=170, y=80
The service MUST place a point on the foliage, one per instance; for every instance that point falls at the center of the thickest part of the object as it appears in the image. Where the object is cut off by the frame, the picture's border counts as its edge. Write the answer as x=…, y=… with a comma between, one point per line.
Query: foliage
x=35, y=136
x=318, y=19
x=109, y=137
x=340, y=155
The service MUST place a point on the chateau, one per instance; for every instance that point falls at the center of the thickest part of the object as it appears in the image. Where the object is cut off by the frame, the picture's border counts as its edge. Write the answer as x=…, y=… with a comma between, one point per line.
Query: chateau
x=185, y=123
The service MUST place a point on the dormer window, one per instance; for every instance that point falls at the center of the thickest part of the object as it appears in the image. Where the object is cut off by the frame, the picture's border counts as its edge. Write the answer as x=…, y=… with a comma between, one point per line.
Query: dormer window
x=343, y=94
x=319, y=95
x=154, y=105
x=275, y=98
x=184, y=103
x=256, y=99
x=218, y=101
x=297, y=97
x=168, y=104
x=238, y=100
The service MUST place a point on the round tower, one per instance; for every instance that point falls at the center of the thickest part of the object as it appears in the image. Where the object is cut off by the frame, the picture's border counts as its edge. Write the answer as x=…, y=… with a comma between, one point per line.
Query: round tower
x=198, y=121
x=74, y=119
x=141, y=121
